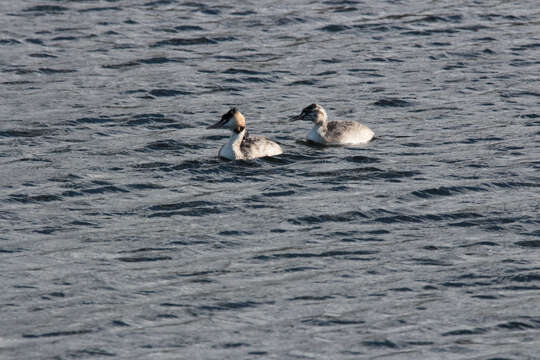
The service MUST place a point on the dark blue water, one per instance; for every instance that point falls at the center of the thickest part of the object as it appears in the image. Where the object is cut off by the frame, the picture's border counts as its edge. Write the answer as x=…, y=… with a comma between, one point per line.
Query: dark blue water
x=122, y=235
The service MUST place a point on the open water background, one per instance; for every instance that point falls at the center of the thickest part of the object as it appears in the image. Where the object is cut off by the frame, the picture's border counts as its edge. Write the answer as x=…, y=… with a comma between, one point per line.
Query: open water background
x=123, y=236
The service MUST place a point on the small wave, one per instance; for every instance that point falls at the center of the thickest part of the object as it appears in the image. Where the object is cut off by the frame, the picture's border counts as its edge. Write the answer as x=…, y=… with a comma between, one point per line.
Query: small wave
x=212, y=89
x=480, y=243
x=188, y=208
x=84, y=223
x=161, y=145
x=9, y=42
x=48, y=9
x=167, y=92
x=203, y=8
x=25, y=132
x=474, y=28
x=93, y=352
x=365, y=173
x=517, y=325
x=224, y=306
x=486, y=297
x=72, y=193
x=236, y=71
x=145, y=186
x=288, y=20
x=100, y=8
x=49, y=71
x=156, y=120
x=303, y=83
x=159, y=60
x=312, y=298
x=367, y=72
x=25, y=199
x=160, y=2
x=494, y=224
x=234, y=345
x=58, y=333
x=151, y=165
x=440, y=43
x=188, y=28
x=334, y=28
x=459, y=284
x=325, y=73
x=234, y=233
x=529, y=243
x=333, y=60
x=65, y=38
x=318, y=219
x=279, y=193
x=462, y=332
x=180, y=205
x=386, y=59
x=391, y=102
x=341, y=2
x=381, y=343
x=256, y=80
x=189, y=164
x=331, y=321
x=104, y=190
x=18, y=82
x=185, y=42
x=343, y=9
x=137, y=259
x=203, y=40
x=533, y=277
x=401, y=289
x=334, y=253
x=375, y=27
x=244, y=13
x=526, y=47
x=42, y=55
x=514, y=184
x=492, y=16
x=149, y=61
x=431, y=262
x=474, y=140
x=401, y=218
x=446, y=191
x=92, y=120
x=47, y=230
x=122, y=65
x=438, y=18
x=147, y=249
x=359, y=159
x=450, y=30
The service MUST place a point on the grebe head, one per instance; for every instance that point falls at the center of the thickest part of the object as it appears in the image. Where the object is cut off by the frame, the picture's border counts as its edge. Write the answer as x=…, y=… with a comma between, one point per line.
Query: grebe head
x=232, y=120
x=313, y=112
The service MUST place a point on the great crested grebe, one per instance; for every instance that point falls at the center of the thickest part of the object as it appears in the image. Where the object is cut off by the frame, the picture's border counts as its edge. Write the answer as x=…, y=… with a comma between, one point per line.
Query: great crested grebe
x=326, y=132
x=241, y=145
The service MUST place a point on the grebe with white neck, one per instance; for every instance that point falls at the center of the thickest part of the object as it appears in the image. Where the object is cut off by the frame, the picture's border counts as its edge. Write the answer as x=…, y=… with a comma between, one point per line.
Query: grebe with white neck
x=346, y=132
x=241, y=145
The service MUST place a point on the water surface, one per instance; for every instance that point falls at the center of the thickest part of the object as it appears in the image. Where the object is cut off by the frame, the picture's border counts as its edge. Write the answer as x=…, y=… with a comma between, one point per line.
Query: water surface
x=124, y=236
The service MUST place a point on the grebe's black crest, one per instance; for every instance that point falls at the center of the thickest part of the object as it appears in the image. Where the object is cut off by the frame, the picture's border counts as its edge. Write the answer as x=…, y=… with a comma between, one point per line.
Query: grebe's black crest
x=310, y=107
x=224, y=119
x=229, y=114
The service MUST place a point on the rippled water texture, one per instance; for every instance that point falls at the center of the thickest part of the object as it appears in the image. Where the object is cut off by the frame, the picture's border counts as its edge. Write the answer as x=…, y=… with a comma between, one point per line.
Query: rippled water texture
x=124, y=236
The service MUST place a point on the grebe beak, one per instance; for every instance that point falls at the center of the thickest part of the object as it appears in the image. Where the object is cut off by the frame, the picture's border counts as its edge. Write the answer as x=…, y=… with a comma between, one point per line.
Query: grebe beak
x=219, y=124
x=297, y=117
